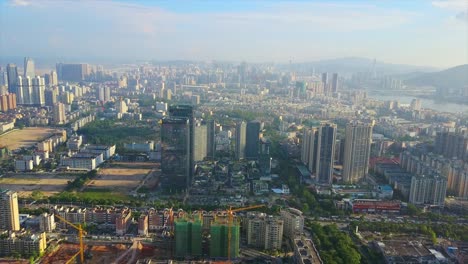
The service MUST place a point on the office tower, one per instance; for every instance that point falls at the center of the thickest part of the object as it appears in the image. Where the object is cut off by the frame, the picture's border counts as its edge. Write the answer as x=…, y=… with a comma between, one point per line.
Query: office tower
x=186, y=111
x=263, y=231
x=59, y=113
x=104, y=94
x=325, y=153
x=325, y=79
x=334, y=84
x=175, y=153
x=12, y=72
x=211, y=137
x=358, y=138
x=29, y=68
x=50, y=97
x=38, y=87
x=72, y=72
x=240, y=140
x=9, y=215
x=252, y=140
x=200, y=142
x=429, y=190
x=265, y=157
x=309, y=149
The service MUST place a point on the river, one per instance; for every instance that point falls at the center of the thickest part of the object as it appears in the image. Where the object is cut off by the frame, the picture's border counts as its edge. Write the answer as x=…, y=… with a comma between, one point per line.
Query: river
x=441, y=106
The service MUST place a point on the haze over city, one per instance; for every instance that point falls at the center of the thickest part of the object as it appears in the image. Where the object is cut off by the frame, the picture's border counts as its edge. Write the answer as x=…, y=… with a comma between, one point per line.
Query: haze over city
x=196, y=132
x=420, y=32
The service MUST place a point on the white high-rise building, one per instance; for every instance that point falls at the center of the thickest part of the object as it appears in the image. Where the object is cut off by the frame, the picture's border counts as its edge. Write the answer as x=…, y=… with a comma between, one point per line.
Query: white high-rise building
x=9, y=213
x=59, y=113
x=428, y=190
x=53, y=78
x=358, y=141
x=241, y=136
x=38, y=88
x=29, y=68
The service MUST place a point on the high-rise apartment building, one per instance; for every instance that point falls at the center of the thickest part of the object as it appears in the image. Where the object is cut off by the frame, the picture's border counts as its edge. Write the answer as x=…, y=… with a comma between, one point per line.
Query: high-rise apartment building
x=429, y=190
x=240, y=140
x=9, y=214
x=263, y=231
x=12, y=73
x=293, y=222
x=452, y=145
x=50, y=97
x=252, y=140
x=309, y=148
x=358, y=141
x=59, y=113
x=325, y=153
x=104, y=93
x=38, y=88
x=175, y=153
x=29, y=69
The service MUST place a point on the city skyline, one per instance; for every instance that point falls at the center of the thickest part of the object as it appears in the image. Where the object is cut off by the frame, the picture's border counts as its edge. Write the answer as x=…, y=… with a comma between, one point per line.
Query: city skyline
x=395, y=32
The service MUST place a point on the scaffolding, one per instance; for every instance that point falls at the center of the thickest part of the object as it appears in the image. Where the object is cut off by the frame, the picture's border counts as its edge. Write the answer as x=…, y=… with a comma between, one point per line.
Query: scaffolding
x=188, y=237
x=219, y=244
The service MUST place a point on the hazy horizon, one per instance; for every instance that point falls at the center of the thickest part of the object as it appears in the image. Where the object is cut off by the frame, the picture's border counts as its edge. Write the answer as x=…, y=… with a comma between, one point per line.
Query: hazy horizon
x=422, y=33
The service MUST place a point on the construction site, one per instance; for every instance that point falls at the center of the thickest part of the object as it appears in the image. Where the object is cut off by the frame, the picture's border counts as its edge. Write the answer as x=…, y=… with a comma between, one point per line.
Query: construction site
x=100, y=254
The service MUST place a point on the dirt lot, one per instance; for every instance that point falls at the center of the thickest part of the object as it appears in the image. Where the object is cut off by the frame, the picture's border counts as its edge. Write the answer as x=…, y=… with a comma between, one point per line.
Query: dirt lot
x=122, y=177
x=25, y=137
x=24, y=184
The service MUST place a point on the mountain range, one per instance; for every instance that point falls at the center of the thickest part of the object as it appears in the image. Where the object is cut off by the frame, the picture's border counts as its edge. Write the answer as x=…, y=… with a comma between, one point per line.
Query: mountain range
x=452, y=78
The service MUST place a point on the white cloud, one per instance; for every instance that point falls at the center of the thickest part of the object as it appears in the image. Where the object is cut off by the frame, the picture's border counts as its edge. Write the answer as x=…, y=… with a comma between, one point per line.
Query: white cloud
x=20, y=3
x=454, y=5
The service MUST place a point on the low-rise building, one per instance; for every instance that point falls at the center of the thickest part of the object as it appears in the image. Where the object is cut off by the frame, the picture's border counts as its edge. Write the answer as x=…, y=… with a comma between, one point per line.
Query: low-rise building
x=22, y=243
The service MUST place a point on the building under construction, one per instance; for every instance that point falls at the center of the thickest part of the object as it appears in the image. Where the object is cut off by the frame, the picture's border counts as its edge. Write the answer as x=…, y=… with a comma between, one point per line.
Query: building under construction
x=188, y=237
x=220, y=244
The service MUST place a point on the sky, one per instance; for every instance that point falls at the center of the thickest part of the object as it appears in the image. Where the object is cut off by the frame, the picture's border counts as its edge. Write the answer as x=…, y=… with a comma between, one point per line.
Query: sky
x=417, y=32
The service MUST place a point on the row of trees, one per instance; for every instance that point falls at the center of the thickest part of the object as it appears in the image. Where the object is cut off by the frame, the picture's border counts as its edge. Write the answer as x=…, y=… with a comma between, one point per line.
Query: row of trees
x=335, y=246
x=447, y=230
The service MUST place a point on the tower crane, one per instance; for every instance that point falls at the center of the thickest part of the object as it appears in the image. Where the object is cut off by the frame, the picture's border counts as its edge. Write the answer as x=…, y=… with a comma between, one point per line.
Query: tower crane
x=81, y=233
x=230, y=219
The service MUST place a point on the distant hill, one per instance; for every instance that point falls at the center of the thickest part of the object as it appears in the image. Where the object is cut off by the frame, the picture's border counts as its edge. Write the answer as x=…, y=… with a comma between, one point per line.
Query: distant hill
x=352, y=65
x=456, y=78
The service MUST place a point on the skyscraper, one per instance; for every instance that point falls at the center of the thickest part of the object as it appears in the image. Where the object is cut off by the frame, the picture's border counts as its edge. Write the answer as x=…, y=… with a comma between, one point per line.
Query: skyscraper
x=211, y=145
x=29, y=68
x=334, y=84
x=9, y=214
x=357, y=151
x=186, y=111
x=12, y=73
x=240, y=140
x=252, y=140
x=200, y=143
x=325, y=153
x=175, y=153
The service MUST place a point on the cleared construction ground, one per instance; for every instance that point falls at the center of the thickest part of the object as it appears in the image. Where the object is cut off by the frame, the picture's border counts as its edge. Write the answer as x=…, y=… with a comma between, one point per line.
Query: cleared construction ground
x=123, y=177
x=25, y=184
x=25, y=137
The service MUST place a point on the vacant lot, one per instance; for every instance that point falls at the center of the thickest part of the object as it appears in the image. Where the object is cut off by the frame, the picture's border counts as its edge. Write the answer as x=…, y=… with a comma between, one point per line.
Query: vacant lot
x=121, y=177
x=25, y=184
x=25, y=137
